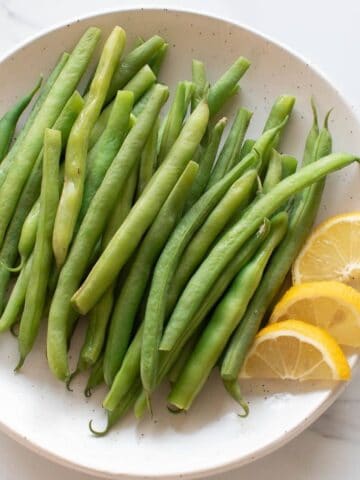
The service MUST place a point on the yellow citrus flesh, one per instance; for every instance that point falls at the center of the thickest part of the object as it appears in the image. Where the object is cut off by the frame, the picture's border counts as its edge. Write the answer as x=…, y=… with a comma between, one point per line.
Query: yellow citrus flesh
x=295, y=350
x=331, y=305
x=332, y=252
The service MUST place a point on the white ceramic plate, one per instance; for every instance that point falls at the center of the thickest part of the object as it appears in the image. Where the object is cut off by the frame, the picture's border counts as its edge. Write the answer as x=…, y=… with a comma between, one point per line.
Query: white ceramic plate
x=38, y=411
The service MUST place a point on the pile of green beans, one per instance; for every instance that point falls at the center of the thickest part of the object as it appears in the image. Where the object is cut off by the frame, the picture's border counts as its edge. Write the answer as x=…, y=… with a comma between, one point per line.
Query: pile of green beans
x=172, y=235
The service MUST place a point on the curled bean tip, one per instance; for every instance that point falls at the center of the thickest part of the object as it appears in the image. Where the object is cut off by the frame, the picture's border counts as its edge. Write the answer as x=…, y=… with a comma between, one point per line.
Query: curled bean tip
x=98, y=433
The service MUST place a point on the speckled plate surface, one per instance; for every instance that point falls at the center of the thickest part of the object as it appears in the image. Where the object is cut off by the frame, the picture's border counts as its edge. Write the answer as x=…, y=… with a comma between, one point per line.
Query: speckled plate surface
x=38, y=411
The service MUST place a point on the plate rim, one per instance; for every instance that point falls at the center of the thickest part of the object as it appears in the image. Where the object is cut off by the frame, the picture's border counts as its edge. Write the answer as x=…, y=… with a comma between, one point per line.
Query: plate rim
x=335, y=392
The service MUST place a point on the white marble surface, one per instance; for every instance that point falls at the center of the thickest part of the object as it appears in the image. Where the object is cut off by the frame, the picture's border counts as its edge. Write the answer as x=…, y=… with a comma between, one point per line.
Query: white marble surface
x=325, y=32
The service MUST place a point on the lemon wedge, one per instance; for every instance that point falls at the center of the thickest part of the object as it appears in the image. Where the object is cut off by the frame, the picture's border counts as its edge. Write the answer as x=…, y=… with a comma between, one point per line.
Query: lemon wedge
x=295, y=350
x=332, y=252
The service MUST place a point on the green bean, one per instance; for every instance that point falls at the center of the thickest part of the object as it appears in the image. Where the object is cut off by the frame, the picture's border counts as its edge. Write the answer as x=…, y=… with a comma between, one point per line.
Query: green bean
x=59, y=94
x=141, y=83
x=206, y=161
x=289, y=165
x=91, y=229
x=281, y=109
x=219, y=92
x=224, y=320
x=302, y=217
x=199, y=79
x=311, y=137
x=174, y=119
x=148, y=160
x=100, y=314
x=230, y=152
x=246, y=148
x=77, y=146
x=223, y=252
x=158, y=59
x=42, y=258
x=9, y=121
x=167, y=359
x=8, y=160
x=132, y=63
x=234, y=200
x=179, y=364
x=274, y=172
x=133, y=289
x=144, y=211
x=104, y=151
x=16, y=301
x=140, y=105
x=29, y=195
x=96, y=377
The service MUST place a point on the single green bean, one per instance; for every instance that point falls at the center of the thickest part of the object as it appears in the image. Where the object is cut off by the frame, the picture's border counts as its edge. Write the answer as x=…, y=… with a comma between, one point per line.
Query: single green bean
x=104, y=151
x=140, y=105
x=182, y=359
x=9, y=121
x=230, y=152
x=234, y=200
x=273, y=173
x=144, y=211
x=158, y=59
x=281, y=109
x=132, y=63
x=42, y=258
x=91, y=229
x=219, y=92
x=59, y=94
x=29, y=195
x=6, y=163
x=16, y=301
x=167, y=359
x=77, y=146
x=312, y=136
x=148, y=160
x=201, y=84
x=224, y=320
x=174, y=119
x=96, y=377
x=206, y=160
x=100, y=314
x=302, y=217
x=223, y=252
x=133, y=289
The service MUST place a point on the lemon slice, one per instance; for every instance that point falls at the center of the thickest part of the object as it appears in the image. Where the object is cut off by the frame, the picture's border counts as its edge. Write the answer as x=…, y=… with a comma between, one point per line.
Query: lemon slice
x=332, y=252
x=333, y=306
x=295, y=350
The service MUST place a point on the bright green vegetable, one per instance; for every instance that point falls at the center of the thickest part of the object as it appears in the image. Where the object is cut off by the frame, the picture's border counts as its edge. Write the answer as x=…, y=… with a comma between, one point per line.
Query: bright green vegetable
x=225, y=250
x=199, y=79
x=246, y=148
x=167, y=359
x=289, y=165
x=29, y=195
x=281, y=109
x=100, y=314
x=145, y=210
x=132, y=63
x=158, y=59
x=302, y=217
x=16, y=300
x=9, y=121
x=206, y=160
x=137, y=279
x=77, y=146
x=274, y=172
x=43, y=256
x=55, y=101
x=90, y=231
x=102, y=154
x=223, y=321
x=148, y=162
x=8, y=160
x=223, y=88
x=174, y=119
x=231, y=150
x=234, y=200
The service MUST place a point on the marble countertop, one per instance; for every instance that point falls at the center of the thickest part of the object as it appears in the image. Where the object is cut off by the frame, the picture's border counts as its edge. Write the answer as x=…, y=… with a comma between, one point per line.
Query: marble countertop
x=327, y=34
